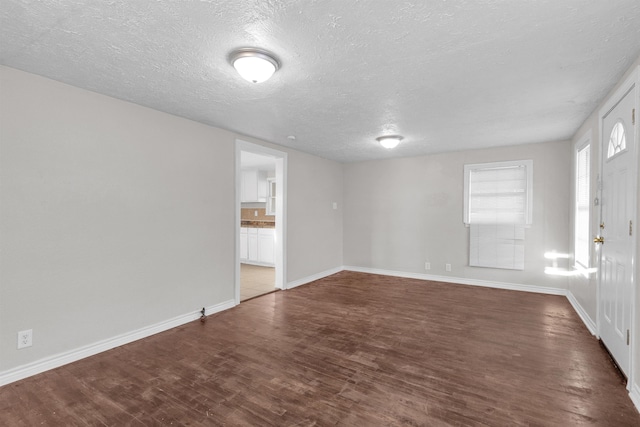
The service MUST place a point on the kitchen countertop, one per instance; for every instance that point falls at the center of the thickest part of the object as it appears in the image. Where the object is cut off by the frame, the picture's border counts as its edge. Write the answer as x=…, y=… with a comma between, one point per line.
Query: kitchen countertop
x=257, y=224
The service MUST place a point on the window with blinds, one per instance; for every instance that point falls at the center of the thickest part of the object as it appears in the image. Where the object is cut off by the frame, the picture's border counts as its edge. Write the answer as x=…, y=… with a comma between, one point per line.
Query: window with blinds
x=498, y=193
x=581, y=235
x=497, y=208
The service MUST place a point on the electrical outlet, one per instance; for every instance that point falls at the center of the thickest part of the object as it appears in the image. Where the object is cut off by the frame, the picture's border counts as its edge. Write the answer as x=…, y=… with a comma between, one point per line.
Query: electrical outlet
x=25, y=338
x=427, y=265
x=447, y=267
x=335, y=206
x=255, y=213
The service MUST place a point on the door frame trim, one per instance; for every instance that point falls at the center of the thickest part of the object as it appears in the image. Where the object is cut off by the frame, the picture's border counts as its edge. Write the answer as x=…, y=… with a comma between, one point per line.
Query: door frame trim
x=631, y=83
x=281, y=210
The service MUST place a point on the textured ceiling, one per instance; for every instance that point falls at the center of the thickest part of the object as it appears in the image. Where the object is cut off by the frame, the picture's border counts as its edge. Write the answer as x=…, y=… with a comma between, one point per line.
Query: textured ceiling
x=447, y=75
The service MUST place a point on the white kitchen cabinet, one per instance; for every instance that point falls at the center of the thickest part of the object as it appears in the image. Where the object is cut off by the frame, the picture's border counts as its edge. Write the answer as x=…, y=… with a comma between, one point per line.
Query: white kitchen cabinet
x=266, y=245
x=244, y=244
x=252, y=243
x=257, y=246
x=253, y=186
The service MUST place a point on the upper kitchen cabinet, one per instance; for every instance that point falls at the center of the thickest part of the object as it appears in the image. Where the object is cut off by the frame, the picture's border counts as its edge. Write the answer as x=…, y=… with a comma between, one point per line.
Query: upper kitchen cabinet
x=254, y=186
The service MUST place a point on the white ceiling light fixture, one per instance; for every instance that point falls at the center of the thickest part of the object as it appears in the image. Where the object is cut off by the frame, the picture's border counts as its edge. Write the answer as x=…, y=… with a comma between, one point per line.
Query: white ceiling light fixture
x=389, y=141
x=254, y=65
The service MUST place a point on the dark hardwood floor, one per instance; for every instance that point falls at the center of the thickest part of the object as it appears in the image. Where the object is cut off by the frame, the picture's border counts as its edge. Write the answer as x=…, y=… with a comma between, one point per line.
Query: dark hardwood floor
x=351, y=350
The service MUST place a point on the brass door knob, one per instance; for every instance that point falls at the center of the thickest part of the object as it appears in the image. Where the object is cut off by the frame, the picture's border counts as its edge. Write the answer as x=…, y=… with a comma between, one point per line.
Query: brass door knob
x=598, y=239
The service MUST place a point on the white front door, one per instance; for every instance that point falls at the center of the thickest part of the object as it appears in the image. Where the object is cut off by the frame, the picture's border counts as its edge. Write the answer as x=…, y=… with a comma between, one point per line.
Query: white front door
x=618, y=204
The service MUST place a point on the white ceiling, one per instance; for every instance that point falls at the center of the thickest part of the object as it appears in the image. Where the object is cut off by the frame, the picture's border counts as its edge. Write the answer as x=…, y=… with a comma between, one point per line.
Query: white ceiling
x=447, y=75
x=256, y=161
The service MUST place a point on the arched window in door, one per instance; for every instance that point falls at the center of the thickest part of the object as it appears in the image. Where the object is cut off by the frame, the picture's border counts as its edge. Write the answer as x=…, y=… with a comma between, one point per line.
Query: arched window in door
x=617, y=140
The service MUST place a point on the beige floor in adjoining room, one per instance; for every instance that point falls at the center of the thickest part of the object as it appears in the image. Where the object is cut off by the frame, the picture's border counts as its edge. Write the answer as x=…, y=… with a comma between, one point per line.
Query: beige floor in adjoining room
x=256, y=280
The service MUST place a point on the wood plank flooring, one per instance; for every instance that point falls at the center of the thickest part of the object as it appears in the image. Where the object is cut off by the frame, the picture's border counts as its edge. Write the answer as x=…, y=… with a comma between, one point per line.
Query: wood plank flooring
x=349, y=350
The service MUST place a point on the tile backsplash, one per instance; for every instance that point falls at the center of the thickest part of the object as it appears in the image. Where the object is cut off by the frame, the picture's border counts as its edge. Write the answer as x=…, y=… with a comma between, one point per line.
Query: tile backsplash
x=249, y=214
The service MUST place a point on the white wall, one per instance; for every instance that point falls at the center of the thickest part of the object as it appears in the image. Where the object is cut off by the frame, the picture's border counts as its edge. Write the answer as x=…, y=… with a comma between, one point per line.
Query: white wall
x=314, y=228
x=114, y=217
x=400, y=213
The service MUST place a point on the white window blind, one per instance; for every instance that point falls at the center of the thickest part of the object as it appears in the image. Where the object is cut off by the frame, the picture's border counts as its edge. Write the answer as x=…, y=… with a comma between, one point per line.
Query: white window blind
x=498, y=193
x=582, y=243
x=496, y=246
x=497, y=208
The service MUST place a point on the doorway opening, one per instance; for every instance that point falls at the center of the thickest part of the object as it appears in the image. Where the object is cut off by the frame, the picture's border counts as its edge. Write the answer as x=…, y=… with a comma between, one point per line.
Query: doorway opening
x=260, y=220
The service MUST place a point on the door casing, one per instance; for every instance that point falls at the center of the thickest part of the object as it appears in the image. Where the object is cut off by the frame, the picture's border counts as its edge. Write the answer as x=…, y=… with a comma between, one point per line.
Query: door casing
x=281, y=211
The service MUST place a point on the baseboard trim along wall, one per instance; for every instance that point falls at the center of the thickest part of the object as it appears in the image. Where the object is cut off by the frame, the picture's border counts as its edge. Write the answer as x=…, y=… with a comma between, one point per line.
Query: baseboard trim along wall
x=61, y=359
x=58, y=360
x=634, y=394
x=461, y=281
x=586, y=319
x=313, y=277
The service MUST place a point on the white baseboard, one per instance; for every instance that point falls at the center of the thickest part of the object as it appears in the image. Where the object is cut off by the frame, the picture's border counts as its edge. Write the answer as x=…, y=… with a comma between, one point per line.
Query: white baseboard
x=586, y=319
x=313, y=277
x=61, y=359
x=258, y=263
x=634, y=394
x=52, y=362
x=461, y=281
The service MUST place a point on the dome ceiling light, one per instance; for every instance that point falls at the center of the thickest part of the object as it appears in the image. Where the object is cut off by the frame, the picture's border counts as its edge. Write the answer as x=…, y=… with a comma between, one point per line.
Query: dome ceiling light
x=389, y=141
x=254, y=65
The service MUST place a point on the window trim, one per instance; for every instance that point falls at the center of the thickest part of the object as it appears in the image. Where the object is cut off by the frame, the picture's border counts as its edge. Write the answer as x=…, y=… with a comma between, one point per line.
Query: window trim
x=527, y=164
x=583, y=143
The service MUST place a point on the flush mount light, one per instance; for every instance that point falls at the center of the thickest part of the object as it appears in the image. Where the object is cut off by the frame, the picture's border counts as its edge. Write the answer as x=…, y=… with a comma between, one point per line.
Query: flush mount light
x=389, y=141
x=254, y=65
